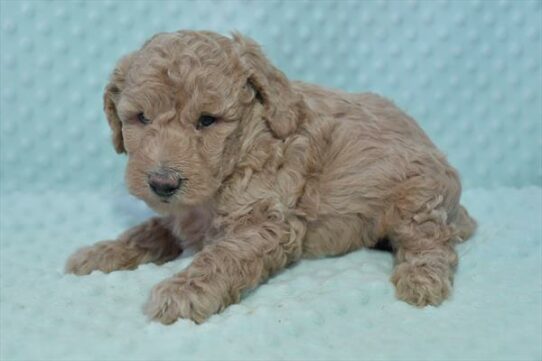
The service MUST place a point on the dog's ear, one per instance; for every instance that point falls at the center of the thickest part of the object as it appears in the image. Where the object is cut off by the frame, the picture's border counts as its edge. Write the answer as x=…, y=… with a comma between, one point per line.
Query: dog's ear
x=284, y=109
x=111, y=97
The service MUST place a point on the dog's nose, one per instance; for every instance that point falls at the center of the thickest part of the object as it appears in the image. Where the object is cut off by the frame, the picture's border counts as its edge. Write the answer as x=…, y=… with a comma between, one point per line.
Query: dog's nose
x=164, y=182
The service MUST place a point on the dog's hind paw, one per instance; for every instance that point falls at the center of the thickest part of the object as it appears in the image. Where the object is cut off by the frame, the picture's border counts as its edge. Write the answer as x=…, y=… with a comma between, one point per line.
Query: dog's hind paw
x=419, y=285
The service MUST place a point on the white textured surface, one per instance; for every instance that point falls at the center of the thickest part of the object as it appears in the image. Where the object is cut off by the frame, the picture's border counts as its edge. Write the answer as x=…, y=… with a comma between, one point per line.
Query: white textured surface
x=335, y=308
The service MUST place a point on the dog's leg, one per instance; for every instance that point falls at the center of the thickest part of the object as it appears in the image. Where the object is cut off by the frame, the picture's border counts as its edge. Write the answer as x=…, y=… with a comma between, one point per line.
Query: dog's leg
x=151, y=241
x=425, y=257
x=223, y=270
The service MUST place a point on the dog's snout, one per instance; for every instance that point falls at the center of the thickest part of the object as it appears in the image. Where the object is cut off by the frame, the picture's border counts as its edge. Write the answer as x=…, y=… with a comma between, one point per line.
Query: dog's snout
x=164, y=183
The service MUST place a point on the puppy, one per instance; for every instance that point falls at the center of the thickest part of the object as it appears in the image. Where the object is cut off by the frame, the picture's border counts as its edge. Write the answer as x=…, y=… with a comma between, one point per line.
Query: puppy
x=257, y=171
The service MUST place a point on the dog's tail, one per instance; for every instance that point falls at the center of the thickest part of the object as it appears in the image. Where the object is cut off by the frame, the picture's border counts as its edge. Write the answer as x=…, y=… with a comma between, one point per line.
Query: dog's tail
x=465, y=225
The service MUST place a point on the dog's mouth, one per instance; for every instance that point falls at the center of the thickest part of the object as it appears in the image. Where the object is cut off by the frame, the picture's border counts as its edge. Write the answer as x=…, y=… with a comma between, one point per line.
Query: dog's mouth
x=164, y=206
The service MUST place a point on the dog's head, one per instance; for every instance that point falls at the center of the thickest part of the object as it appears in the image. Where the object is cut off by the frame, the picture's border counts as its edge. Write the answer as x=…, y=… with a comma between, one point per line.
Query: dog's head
x=177, y=106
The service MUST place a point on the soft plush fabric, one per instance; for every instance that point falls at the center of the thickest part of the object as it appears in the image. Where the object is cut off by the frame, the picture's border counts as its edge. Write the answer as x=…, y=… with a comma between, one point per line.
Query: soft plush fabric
x=330, y=309
x=468, y=71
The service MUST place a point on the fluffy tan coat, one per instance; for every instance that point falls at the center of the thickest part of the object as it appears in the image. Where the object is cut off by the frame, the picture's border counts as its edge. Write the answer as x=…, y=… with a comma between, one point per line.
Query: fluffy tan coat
x=287, y=170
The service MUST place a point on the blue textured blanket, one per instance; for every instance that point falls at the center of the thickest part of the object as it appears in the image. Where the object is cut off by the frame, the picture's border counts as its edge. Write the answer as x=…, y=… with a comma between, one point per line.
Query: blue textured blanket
x=335, y=309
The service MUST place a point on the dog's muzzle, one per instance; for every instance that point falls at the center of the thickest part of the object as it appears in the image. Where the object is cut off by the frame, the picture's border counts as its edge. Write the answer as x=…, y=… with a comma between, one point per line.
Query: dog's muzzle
x=164, y=182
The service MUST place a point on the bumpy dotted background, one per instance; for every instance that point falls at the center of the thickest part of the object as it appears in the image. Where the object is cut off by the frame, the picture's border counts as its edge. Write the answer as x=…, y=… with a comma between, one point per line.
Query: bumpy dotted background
x=469, y=71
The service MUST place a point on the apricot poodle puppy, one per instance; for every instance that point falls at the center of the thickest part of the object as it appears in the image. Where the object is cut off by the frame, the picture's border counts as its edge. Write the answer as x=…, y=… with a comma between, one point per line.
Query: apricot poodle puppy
x=259, y=171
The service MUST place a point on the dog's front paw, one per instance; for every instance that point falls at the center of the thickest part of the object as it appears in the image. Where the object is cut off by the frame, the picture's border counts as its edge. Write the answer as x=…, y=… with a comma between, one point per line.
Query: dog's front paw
x=421, y=285
x=178, y=297
x=101, y=256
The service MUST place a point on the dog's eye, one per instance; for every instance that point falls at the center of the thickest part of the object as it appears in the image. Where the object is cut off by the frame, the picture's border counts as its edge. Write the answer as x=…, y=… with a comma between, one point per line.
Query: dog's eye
x=141, y=117
x=205, y=121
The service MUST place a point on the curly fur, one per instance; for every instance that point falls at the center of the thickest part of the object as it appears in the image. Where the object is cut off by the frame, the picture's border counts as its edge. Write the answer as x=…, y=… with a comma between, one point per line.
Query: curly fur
x=289, y=170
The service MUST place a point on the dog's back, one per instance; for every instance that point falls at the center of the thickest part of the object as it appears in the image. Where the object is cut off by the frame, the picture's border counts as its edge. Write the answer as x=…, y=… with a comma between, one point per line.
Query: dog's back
x=368, y=150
